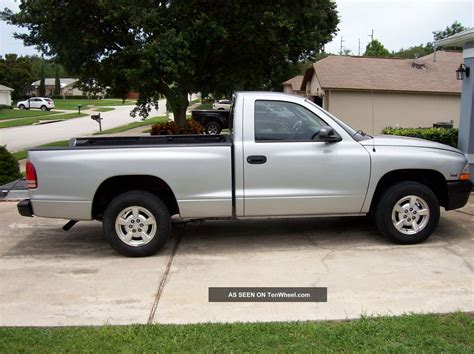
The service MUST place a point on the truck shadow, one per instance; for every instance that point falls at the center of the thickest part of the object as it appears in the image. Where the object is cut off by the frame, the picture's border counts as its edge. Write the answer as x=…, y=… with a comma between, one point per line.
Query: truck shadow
x=86, y=240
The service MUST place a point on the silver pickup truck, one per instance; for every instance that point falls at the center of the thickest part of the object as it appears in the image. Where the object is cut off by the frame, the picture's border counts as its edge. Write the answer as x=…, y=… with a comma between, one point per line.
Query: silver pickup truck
x=284, y=156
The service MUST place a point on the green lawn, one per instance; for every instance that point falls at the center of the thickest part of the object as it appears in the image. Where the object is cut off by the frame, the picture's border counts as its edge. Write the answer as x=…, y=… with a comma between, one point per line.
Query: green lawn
x=72, y=103
x=16, y=113
x=138, y=123
x=409, y=333
x=23, y=154
x=104, y=109
x=204, y=106
x=28, y=121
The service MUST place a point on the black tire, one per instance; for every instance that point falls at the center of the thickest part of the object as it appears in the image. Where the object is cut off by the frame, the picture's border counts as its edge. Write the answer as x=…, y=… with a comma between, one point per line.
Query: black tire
x=44, y=108
x=152, y=204
x=212, y=128
x=22, y=107
x=384, y=213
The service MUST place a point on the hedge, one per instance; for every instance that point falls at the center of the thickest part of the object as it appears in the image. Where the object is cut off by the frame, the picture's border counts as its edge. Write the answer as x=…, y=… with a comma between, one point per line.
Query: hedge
x=171, y=128
x=9, y=169
x=440, y=135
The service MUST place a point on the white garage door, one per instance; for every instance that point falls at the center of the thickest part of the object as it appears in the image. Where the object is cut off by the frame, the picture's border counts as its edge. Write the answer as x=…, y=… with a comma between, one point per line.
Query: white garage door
x=4, y=99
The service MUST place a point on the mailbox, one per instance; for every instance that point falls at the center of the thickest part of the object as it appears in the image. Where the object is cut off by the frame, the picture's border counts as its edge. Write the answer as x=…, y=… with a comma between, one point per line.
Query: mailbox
x=98, y=119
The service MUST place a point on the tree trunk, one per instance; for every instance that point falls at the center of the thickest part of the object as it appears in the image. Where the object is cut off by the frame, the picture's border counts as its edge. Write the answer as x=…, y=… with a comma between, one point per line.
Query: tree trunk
x=179, y=104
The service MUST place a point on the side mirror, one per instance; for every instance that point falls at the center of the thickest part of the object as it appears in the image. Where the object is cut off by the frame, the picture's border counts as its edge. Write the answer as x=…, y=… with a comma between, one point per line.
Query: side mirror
x=328, y=135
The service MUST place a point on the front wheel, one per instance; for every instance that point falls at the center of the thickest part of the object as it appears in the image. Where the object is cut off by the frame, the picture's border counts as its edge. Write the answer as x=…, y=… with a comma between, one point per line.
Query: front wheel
x=137, y=224
x=407, y=213
x=212, y=128
x=22, y=107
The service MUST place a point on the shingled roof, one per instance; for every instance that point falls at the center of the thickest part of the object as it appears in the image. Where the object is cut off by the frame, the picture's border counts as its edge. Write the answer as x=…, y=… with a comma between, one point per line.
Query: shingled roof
x=295, y=83
x=389, y=74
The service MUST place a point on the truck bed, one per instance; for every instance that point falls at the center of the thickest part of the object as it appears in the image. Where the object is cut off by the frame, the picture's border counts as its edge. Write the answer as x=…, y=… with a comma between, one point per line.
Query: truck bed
x=151, y=140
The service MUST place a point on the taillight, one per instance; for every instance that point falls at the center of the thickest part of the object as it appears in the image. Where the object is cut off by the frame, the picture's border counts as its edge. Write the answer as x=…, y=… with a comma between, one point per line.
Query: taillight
x=31, y=180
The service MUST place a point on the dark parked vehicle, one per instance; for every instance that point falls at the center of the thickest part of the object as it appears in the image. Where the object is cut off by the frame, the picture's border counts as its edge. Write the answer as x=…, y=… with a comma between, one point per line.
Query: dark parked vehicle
x=213, y=121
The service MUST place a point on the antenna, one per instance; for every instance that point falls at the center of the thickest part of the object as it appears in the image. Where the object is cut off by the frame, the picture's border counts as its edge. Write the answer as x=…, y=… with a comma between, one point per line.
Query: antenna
x=372, y=92
x=371, y=36
x=359, y=46
x=340, y=50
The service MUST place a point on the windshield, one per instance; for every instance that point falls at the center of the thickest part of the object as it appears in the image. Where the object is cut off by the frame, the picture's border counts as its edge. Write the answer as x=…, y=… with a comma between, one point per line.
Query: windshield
x=356, y=134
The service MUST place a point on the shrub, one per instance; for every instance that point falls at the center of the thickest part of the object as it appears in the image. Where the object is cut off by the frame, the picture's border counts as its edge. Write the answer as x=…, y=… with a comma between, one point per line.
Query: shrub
x=171, y=128
x=5, y=106
x=9, y=169
x=440, y=135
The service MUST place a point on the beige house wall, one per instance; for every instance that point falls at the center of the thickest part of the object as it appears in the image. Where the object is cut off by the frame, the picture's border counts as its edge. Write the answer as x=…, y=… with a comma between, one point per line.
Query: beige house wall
x=408, y=110
x=289, y=90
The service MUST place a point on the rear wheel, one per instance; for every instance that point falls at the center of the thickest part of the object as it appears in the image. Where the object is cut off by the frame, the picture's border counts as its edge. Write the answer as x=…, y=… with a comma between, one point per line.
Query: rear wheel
x=407, y=213
x=44, y=108
x=212, y=128
x=137, y=224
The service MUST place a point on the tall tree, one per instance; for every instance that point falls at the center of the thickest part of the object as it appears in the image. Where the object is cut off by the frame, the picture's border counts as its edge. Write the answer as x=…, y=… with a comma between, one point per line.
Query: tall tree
x=57, y=82
x=414, y=52
x=42, y=85
x=174, y=47
x=456, y=27
x=376, y=49
x=16, y=72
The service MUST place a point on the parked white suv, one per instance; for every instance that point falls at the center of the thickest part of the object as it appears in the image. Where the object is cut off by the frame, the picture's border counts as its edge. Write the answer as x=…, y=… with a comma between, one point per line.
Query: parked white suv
x=43, y=103
x=221, y=104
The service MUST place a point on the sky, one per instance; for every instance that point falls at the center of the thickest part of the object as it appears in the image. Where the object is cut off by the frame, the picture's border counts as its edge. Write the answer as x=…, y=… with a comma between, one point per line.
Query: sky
x=396, y=23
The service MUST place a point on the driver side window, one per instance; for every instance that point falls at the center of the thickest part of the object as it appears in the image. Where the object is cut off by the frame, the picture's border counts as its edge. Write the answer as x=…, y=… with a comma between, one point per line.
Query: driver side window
x=285, y=121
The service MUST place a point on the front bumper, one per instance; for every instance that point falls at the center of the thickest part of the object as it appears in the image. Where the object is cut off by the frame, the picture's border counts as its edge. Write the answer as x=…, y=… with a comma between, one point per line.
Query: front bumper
x=458, y=194
x=24, y=208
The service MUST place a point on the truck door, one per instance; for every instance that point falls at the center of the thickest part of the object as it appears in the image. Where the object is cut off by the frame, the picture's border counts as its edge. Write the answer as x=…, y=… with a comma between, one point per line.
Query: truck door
x=287, y=171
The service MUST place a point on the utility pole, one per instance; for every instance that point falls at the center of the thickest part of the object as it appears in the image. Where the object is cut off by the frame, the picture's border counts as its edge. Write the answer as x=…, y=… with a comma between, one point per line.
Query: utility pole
x=359, y=46
x=371, y=36
x=340, y=50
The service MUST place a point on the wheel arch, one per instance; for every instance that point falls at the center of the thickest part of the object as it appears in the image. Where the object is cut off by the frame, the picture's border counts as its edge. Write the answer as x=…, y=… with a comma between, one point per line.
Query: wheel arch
x=430, y=178
x=114, y=186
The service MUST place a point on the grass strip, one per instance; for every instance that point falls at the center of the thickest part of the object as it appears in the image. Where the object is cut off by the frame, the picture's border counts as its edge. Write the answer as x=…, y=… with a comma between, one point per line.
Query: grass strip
x=16, y=113
x=72, y=103
x=29, y=121
x=407, y=333
x=141, y=123
x=23, y=154
x=103, y=109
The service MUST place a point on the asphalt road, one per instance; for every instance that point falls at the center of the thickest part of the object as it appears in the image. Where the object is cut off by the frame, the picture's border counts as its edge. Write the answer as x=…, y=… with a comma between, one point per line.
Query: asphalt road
x=24, y=137
x=49, y=277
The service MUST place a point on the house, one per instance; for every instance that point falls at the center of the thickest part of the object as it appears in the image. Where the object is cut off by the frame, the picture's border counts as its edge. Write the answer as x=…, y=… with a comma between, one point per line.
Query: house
x=67, y=87
x=5, y=95
x=374, y=93
x=293, y=86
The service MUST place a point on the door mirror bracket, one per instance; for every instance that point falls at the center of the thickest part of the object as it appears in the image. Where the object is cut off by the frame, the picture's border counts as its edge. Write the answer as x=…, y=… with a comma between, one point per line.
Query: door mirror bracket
x=327, y=134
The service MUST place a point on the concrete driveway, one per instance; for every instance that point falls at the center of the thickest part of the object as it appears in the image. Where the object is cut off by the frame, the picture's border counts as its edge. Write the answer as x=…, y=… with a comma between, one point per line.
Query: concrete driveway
x=49, y=277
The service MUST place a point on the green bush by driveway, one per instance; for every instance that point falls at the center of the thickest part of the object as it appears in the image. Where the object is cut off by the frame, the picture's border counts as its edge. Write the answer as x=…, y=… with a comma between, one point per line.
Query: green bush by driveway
x=440, y=135
x=406, y=334
x=9, y=169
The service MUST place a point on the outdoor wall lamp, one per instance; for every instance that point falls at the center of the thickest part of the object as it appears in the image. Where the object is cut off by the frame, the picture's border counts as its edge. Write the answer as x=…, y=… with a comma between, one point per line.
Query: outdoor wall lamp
x=463, y=69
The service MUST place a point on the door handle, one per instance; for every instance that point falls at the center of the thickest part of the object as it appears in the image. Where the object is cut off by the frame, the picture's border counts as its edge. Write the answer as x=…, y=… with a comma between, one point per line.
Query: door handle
x=256, y=159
